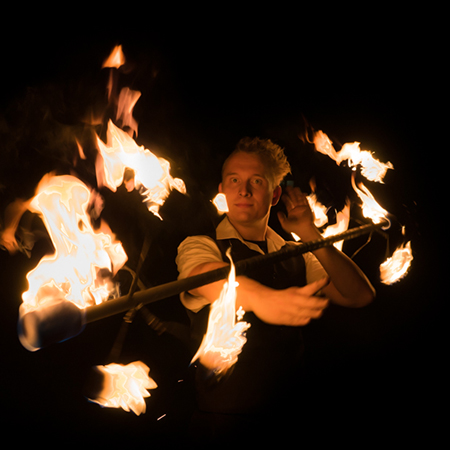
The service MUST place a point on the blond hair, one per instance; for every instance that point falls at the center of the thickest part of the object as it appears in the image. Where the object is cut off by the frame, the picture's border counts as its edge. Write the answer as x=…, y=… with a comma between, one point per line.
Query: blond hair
x=272, y=156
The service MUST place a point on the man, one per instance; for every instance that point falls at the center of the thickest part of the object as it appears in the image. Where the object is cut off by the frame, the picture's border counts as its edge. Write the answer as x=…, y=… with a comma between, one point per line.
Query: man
x=277, y=300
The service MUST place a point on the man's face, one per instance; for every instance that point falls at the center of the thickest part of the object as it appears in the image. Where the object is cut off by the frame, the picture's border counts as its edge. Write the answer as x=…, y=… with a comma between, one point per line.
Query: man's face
x=248, y=189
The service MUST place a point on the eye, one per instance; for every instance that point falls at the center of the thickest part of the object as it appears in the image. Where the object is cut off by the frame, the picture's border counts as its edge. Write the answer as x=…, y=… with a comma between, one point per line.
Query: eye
x=257, y=181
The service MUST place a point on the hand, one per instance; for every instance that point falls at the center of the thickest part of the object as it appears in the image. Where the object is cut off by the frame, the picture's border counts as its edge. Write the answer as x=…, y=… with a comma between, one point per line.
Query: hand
x=295, y=306
x=299, y=218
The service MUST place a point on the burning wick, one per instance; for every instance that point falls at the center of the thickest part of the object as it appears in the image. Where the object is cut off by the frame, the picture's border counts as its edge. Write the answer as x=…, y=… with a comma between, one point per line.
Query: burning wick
x=224, y=337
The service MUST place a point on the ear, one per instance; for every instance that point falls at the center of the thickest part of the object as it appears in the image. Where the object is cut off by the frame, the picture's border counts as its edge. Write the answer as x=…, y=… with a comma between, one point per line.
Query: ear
x=220, y=188
x=276, y=195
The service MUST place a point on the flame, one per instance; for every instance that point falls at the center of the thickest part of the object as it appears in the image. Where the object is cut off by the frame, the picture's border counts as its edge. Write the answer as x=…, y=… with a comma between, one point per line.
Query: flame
x=75, y=272
x=371, y=168
x=151, y=174
x=342, y=221
x=125, y=386
x=115, y=59
x=397, y=266
x=370, y=208
x=324, y=145
x=319, y=210
x=224, y=337
x=125, y=105
x=220, y=202
x=341, y=225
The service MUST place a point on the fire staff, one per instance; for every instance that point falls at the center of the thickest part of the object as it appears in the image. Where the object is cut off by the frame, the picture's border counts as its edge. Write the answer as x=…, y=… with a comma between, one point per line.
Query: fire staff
x=278, y=300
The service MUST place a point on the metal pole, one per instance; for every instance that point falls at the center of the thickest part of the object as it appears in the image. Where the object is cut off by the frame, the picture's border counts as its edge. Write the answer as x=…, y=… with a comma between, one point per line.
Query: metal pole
x=125, y=303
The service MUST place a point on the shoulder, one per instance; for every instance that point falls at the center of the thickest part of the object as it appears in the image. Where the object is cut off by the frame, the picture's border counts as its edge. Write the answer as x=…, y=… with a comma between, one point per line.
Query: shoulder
x=197, y=243
x=196, y=250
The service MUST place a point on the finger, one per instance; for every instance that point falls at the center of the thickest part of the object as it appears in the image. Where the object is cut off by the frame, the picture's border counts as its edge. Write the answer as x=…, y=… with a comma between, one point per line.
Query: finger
x=297, y=195
x=281, y=217
x=314, y=287
x=288, y=202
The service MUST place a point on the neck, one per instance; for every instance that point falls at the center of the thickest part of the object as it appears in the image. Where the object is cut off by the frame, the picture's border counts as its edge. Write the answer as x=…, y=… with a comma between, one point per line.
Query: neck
x=252, y=231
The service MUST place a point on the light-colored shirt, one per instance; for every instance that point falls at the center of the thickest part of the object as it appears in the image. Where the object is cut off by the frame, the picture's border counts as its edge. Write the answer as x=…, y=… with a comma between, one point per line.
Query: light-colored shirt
x=196, y=250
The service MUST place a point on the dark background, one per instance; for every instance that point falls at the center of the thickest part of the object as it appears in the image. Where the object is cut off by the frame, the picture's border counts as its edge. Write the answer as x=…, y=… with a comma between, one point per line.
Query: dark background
x=207, y=79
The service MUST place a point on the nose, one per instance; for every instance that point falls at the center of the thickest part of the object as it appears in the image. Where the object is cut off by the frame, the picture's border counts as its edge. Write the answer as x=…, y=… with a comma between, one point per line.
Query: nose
x=245, y=190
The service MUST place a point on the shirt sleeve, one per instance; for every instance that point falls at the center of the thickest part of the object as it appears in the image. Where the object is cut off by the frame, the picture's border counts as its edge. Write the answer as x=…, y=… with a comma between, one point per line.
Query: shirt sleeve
x=193, y=251
x=314, y=270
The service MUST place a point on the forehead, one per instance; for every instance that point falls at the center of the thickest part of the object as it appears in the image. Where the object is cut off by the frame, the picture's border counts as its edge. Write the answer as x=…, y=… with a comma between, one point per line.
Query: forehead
x=249, y=163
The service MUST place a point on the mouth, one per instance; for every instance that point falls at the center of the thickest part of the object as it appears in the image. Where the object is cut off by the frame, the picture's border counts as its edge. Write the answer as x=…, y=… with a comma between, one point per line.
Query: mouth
x=243, y=205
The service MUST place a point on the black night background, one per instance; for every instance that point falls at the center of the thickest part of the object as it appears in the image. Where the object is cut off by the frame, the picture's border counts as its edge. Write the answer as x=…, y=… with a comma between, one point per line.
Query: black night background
x=373, y=372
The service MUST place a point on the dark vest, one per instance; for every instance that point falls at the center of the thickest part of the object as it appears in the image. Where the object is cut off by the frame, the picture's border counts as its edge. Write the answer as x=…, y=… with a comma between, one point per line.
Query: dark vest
x=269, y=366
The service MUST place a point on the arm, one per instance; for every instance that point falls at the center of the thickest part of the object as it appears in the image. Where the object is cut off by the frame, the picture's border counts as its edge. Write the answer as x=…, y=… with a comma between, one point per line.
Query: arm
x=348, y=285
x=293, y=306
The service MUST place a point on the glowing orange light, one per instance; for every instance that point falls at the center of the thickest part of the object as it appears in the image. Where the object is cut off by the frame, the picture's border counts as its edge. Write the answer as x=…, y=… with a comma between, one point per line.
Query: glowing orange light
x=319, y=210
x=371, y=168
x=76, y=271
x=370, y=208
x=398, y=265
x=115, y=59
x=125, y=386
x=220, y=202
x=224, y=337
x=151, y=174
x=341, y=225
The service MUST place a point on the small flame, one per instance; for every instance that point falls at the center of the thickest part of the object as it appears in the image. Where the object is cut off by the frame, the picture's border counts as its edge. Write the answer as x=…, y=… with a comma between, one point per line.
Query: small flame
x=397, y=266
x=75, y=272
x=151, y=174
x=224, y=337
x=324, y=145
x=220, y=202
x=319, y=210
x=115, y=59
x=125, y=386
x=370, y=208
x=371, y=168
x=125, y=105
x=341, y=225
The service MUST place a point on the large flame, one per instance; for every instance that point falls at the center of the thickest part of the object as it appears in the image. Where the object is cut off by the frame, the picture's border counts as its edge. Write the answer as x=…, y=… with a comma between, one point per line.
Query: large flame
x=151, y=174
x=81, y=268
x=224, y=337
x=125, y=386
x=397, y=266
